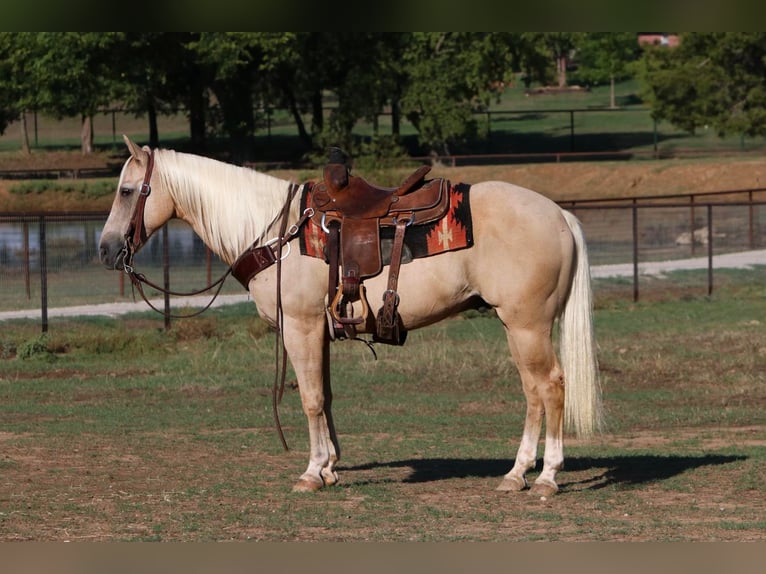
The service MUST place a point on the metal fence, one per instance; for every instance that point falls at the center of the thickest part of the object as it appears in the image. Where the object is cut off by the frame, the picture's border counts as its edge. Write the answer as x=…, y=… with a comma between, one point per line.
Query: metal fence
x=51, y=259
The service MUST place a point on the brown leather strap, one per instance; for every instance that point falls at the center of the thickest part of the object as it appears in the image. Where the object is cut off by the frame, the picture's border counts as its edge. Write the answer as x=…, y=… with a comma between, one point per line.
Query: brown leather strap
x=252, y=262
x=280, y=375
x=396, y=254
x=137, y=231
x=333, y=258
x=138, y=280
x=256, y=259
x=387, y=319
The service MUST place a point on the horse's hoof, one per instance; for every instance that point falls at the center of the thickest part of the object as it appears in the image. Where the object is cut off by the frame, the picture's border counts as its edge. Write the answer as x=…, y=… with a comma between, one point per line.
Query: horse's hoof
x=512, y=484
x=330, y=477
x=307, y=485
x=544, y=489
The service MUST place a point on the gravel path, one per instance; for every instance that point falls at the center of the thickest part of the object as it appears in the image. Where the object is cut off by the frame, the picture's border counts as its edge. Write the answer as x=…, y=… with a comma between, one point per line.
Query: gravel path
x=740, y=260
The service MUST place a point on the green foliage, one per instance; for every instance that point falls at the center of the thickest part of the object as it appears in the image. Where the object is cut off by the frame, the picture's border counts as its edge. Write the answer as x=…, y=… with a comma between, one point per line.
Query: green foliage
x=7, y=349
x=450, y=75
x=36, y=348
x=329, y=82
x=92, y=188
x=716, y=79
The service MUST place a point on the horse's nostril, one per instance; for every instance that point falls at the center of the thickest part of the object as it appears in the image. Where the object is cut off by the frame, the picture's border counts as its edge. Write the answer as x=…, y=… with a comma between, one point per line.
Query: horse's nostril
x=104, y=254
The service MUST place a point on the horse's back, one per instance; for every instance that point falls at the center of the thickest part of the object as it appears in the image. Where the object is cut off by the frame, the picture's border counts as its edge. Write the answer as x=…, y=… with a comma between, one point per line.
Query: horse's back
x=521, y=258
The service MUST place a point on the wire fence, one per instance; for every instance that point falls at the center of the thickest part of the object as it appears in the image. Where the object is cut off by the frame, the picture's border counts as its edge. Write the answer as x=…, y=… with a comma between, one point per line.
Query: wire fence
x=51, y=259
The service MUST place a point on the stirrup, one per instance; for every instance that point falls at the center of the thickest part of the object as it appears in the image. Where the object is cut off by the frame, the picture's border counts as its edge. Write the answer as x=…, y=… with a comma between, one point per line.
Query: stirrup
x=336, y=307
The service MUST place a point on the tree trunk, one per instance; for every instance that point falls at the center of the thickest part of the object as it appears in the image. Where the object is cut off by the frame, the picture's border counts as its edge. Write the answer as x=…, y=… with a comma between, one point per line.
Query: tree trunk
x=562, y=69
x=317, y=114
x=396, y=118
x=197, y=116
x=154, y=134
x=236, y=102
x=612, y=103
x=304, y=136
x=24, y=133
x=86, y=134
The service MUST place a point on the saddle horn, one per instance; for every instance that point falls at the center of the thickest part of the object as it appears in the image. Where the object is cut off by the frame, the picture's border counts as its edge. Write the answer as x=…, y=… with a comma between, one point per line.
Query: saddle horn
x=336, y=155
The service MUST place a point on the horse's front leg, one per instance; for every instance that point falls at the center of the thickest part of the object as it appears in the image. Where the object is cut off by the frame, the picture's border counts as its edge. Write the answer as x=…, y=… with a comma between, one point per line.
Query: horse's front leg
x=309, y=352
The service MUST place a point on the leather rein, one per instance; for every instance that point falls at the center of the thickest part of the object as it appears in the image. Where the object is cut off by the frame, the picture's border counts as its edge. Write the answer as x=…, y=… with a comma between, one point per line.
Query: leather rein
x=136, y=236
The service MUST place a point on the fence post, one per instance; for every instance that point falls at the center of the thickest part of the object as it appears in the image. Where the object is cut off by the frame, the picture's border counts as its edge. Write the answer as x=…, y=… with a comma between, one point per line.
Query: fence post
x=750, y=229
x=709, y=249
x=635, y=250
x=43, y=276
x=209, y=265
x=571, y=131
x=27, y=266
x=166, y=274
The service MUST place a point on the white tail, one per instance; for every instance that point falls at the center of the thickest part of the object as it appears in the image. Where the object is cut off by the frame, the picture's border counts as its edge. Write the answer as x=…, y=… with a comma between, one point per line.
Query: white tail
x=582, y=389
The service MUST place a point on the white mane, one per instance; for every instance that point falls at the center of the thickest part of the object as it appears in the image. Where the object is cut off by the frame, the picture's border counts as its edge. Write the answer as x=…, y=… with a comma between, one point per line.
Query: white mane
x=228, y=206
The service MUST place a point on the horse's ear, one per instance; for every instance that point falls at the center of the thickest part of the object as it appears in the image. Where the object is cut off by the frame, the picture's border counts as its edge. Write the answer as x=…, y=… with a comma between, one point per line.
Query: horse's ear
x=139, y=153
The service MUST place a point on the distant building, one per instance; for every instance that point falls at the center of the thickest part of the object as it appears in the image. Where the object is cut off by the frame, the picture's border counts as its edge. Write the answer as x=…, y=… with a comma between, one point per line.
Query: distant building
x=659, y=38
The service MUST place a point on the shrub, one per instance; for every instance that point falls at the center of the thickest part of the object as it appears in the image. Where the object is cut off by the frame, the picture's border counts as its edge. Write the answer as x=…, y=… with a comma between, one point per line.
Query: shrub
x=36, y=348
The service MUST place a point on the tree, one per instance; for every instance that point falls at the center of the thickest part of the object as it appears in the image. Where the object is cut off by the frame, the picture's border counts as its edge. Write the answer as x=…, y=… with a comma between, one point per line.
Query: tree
x=363, y=71
x=19, y=52
x=527, y=54
x=235, y=66
x=606, y=57
x=73, y=76
x=157, y=74
x=560, y=46
x=8, y=94
x=449, y=76
x=716, y=79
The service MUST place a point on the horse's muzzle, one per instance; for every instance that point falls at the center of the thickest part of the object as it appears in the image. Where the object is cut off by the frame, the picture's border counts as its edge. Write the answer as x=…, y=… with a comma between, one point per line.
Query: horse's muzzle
x=112, y=254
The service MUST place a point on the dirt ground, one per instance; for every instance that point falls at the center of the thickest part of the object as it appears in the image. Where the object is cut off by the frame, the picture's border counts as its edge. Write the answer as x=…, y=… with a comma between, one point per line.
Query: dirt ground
x=559, y=181
x=107, y=491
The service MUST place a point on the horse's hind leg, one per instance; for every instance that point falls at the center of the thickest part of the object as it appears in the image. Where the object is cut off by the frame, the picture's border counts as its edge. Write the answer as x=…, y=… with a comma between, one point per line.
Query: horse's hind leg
x=542, y=381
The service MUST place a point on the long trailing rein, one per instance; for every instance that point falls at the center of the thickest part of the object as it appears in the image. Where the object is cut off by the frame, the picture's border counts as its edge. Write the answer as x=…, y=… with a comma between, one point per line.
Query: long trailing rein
x=136, y=236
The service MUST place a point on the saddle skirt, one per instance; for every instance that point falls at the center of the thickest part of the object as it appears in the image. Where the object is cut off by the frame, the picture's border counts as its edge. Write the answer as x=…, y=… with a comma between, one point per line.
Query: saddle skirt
x=452, y=231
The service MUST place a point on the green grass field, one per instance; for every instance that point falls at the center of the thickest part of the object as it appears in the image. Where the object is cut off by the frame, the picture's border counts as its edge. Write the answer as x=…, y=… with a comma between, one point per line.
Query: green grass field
x=112, y=429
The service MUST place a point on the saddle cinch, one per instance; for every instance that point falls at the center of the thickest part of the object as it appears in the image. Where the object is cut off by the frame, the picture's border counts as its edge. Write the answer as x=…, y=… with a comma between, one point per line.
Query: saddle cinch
x=353, y=212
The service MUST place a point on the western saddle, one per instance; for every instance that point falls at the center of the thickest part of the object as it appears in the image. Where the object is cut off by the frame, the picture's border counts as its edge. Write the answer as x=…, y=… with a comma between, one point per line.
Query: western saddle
x=352, y=214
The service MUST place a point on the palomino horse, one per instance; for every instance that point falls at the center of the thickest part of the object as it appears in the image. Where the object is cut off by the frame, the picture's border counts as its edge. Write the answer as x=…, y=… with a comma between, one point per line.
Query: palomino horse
x=528, y=261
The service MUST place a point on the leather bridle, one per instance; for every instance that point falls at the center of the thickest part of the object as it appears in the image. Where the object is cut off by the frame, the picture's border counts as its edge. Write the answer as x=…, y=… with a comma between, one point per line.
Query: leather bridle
x=136, y=234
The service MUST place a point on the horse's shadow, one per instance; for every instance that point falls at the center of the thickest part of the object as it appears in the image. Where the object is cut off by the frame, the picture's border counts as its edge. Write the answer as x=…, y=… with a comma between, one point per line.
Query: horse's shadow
x=621, y=471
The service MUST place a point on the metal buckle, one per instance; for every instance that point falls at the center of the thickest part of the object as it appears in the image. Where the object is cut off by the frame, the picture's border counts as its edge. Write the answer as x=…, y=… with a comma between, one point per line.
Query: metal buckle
x=395, y=221
x=271, y=242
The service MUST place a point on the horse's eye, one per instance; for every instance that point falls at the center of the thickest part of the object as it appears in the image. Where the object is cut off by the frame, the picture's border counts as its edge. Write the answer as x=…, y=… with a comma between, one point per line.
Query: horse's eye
x=125, y=191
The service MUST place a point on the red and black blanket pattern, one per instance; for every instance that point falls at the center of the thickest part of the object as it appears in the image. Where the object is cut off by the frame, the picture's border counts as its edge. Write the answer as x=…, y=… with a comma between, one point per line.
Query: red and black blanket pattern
x=453, y=231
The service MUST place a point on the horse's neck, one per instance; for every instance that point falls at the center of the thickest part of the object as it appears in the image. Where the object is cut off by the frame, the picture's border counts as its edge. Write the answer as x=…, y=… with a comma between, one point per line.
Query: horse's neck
x=229, y=207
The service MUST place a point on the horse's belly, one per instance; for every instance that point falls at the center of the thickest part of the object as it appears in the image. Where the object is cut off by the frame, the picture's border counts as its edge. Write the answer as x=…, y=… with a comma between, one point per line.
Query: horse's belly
x=429, y=289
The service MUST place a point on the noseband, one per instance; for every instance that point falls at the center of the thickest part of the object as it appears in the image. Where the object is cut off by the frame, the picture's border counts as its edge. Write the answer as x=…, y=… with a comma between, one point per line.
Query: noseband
x=136, y=234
